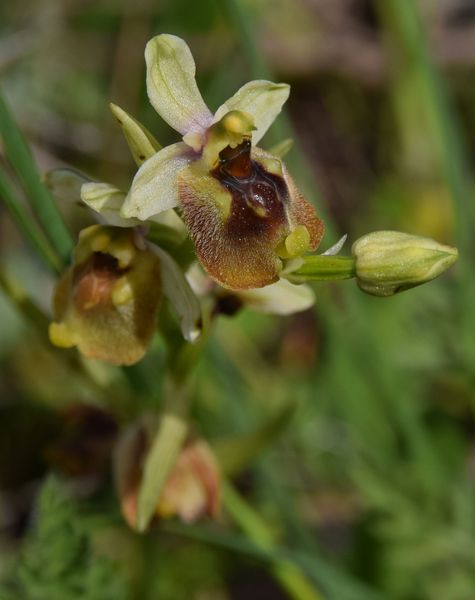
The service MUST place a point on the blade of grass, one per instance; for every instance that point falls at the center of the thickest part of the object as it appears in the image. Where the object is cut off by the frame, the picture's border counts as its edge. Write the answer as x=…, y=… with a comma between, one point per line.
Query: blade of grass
x=336, y=584
x=44, y=208
x=358, y=383
x=26, y=225
x=378, y=376
x=29, y=311
x=407, y=41
x=287, y=573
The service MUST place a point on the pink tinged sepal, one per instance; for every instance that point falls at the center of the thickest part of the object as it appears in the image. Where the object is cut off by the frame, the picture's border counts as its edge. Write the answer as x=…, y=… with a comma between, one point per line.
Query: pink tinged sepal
x=106, y=302
x=171, y=85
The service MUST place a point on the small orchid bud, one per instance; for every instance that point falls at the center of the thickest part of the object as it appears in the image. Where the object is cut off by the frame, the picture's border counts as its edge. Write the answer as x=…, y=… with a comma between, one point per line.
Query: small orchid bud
x=389, y=262
x=106, y=302
x=191, y=490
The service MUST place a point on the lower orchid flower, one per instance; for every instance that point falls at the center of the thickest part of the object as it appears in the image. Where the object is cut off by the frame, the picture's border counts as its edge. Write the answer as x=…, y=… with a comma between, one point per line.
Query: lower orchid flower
x=107, y=301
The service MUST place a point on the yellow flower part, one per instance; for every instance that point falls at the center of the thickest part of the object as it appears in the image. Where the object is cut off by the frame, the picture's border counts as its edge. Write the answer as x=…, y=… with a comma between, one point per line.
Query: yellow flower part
x=106, y=302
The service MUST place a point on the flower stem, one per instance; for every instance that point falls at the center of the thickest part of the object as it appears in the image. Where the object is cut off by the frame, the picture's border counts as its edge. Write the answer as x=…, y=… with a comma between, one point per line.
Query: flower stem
x=325, y=268
x=287, y=573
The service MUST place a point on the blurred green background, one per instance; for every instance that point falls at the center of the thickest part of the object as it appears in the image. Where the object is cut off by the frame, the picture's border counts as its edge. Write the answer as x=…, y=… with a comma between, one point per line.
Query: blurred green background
x=370, y=486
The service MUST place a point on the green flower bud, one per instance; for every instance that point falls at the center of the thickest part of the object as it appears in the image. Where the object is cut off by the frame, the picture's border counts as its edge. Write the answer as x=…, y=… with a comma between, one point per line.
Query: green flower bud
x=388, y=262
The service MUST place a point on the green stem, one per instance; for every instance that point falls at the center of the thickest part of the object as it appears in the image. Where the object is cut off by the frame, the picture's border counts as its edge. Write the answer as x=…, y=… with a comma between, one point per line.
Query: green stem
x=40, y=199
x=26, y=225
x=325, y=268
x=287, y=573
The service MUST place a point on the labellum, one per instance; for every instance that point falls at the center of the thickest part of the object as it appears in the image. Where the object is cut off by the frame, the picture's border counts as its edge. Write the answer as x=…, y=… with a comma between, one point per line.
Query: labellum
x=240, y=215
x=106, y=302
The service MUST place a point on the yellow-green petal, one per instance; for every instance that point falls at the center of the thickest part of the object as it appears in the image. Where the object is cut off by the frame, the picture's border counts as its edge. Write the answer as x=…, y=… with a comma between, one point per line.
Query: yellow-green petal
x=261, y=99
x=106, y=200
x=282, y=148
x=154, y=188
x=182, y=298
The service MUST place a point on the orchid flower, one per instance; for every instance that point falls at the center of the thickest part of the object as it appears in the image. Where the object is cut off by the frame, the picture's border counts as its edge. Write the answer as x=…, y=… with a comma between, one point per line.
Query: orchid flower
x=107, y=301
x=243, y=211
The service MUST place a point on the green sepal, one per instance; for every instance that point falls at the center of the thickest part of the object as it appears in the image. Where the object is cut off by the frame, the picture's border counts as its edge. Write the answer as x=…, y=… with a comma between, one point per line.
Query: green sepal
x=161, y=457
x=141, y=142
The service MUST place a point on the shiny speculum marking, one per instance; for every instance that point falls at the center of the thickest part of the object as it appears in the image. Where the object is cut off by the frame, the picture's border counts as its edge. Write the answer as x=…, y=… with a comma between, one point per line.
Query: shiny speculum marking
x=258, y=197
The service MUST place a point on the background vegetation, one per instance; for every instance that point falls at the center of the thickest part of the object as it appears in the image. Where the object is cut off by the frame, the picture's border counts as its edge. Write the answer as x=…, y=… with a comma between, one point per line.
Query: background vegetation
x=366, y=487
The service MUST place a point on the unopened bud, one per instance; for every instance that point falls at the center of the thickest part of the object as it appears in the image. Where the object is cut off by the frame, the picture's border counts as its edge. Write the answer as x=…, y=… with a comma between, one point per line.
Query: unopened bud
x=191, y=490
x=388, y=262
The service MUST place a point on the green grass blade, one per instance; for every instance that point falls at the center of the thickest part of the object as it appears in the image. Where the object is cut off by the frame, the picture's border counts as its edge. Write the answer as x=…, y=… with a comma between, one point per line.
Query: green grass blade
x=26, y=225
x=286, y=572
x=410, y=51
x=18, y=153
x=337, y=584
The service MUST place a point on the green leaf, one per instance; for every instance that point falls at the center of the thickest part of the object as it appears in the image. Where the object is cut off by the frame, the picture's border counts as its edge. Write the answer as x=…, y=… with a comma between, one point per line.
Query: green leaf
x=18, y=153
x=26, y=224
x=57, y=560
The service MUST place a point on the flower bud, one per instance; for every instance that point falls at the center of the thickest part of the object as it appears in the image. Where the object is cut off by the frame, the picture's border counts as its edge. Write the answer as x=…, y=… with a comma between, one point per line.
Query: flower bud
x=191, y=490
x=388, y=262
